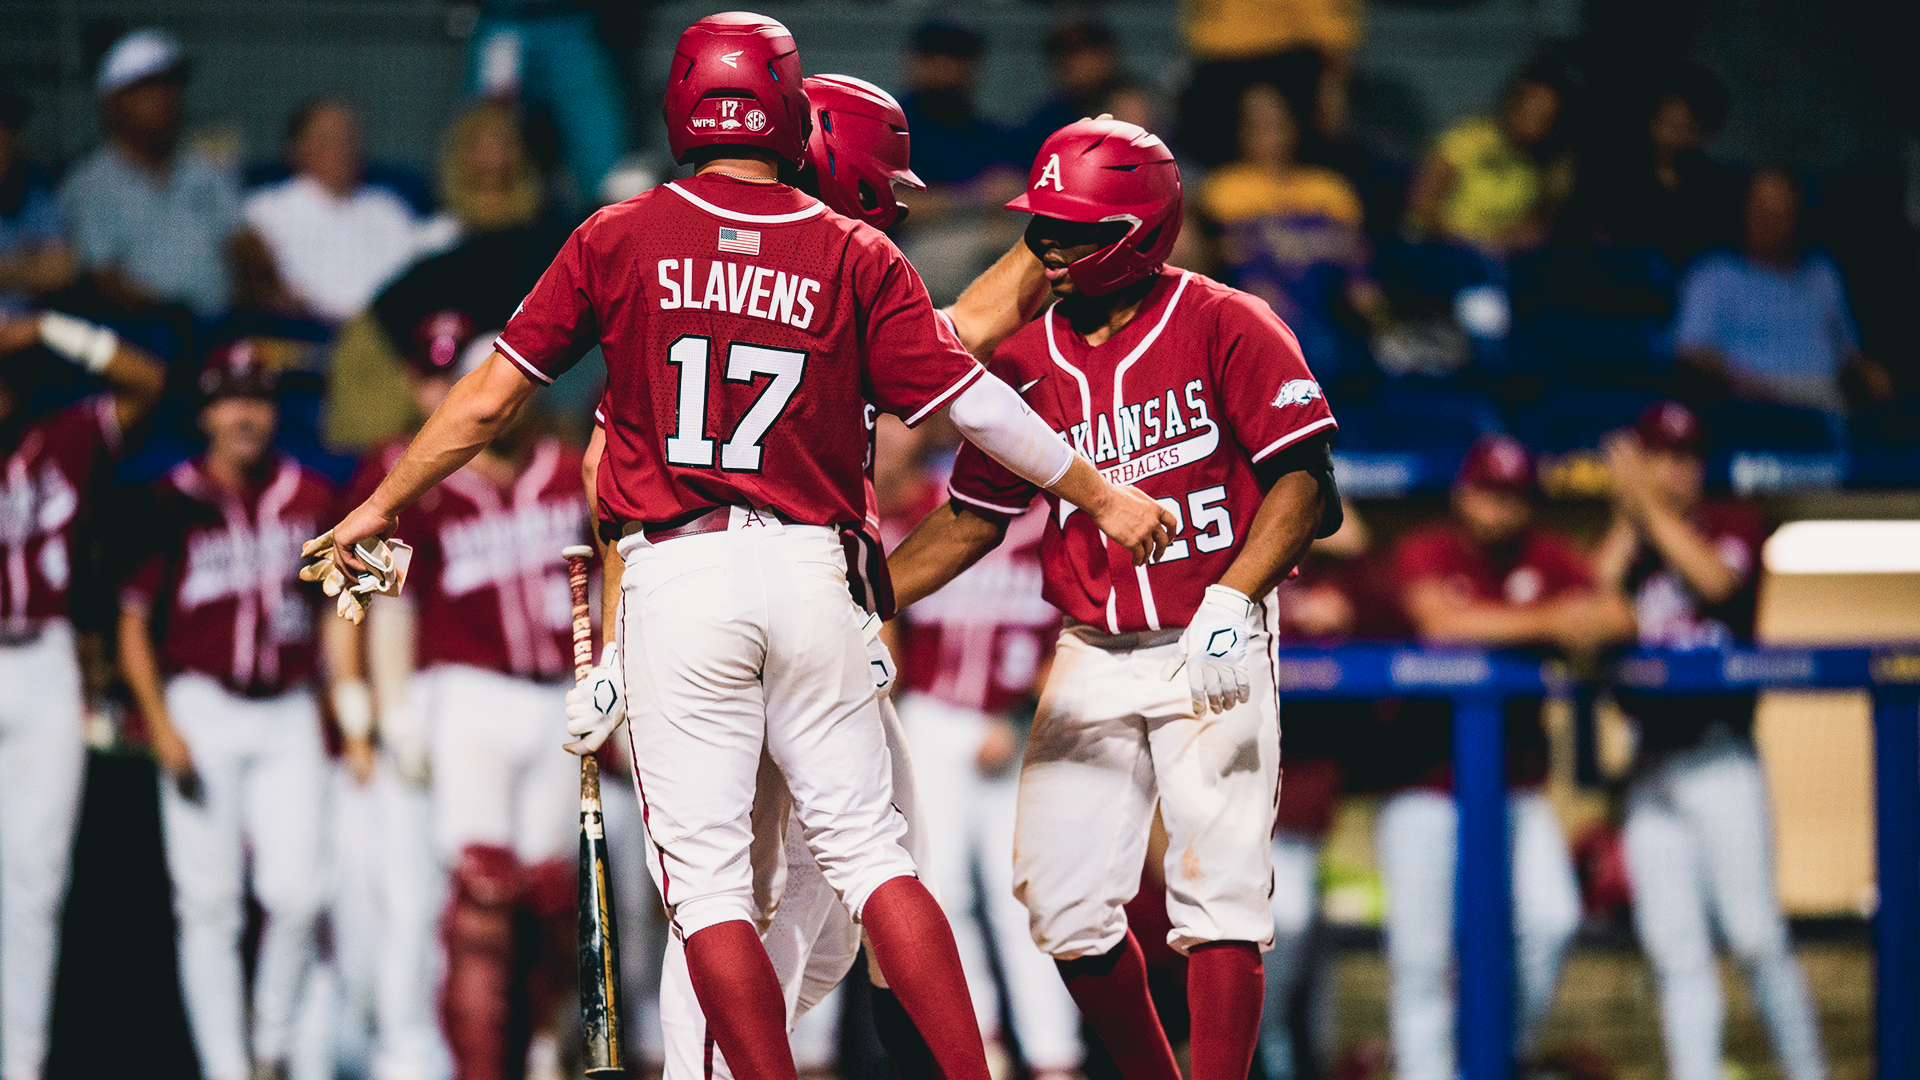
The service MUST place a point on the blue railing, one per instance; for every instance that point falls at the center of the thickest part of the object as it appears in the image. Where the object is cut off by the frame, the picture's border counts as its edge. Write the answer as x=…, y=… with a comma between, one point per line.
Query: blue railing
x=1479, y=682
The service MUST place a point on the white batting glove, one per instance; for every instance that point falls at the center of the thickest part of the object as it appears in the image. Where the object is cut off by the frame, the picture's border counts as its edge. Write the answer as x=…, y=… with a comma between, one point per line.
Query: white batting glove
x=879, y=657
x=1214, y=651
x=597, y=704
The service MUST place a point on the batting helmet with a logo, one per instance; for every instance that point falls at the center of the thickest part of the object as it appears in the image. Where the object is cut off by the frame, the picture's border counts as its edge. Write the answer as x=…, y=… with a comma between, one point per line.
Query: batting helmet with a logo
x=858, y=149
x=736, y=81
x=1108, y=170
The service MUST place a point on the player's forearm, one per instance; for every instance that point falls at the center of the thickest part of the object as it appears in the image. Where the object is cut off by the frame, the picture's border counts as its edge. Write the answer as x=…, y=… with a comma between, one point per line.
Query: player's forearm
x=1691, y=554
x=612, y=569
x=938, y=550
x=1279, y=537
x=476, y=411
x=1614, y=557
x=389, y=640
x=1000, y=301
x=141, y=668
x=1441, y=615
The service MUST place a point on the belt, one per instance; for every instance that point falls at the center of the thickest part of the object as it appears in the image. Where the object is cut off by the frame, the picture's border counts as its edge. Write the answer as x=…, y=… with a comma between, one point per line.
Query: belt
x=718, y=519
x=1125, y=642
x=20, y=635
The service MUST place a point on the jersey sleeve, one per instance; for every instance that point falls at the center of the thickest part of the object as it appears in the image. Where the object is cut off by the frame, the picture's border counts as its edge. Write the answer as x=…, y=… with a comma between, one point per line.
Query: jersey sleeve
x=1418, y=558
x=1271, y=399
x=984, y=485
x=915, y=361
x=556, y=324
x=1564, y=566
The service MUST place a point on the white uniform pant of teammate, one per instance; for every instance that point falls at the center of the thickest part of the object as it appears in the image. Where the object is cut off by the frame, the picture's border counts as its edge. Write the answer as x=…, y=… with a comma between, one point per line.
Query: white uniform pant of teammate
x=740, y=641
x=497, y=778
x=42, y=765
x=970, y=821
x=812, y=938
x=1295, y=904
x=1113, y=738
x=1698, y=843
x=1417, y=839
x=263, y=773
x=412, y=891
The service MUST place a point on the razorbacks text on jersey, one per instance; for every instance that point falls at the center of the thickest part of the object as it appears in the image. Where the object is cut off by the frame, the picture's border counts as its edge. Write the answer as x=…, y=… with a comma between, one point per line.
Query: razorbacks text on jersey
x=744, y=344
x=1204, y=382
x=491, y=590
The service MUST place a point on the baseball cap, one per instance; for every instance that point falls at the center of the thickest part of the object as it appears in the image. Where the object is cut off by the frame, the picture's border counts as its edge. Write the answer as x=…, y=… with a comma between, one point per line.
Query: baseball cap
x=439, y=339
x=138, y=56
x=1669, y=427
x=238, y=369
x=1500, y=462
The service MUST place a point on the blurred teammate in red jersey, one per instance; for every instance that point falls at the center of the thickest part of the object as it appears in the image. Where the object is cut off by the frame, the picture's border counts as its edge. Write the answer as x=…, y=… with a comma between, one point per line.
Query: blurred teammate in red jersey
x=218, y=644
x=741, y=362
x=1197, y=393
x=1488, y=577
x=48, y=465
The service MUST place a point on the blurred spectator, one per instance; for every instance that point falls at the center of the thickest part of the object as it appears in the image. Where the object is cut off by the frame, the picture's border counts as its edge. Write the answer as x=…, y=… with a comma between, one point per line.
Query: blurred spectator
x=1492, y=182
x=334, y=238
x=36, y=256
x=1088, y=80
x=152, y=225
x=1303, y=47
x=549, y=55
x=1697, y=840
x=1488, y=577
x=1771, y=322
x=965, y=159
x=1292, y=234
x=1660, y=189
x=487, y=178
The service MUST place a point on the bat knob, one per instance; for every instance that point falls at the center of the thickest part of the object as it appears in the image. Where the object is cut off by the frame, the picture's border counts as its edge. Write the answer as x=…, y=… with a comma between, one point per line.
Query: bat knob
x=576, y=551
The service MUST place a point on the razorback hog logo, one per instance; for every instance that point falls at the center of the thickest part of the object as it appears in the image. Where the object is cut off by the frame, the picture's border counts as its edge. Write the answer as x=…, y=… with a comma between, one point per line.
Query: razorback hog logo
x=1050, y=173
x=1296, y=392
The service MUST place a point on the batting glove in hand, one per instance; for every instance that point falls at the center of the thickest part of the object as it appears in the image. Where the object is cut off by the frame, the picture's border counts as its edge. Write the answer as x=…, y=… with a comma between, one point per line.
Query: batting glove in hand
x=879, y=657
x=388, y=560
x=1214, y=651
x=597, y=704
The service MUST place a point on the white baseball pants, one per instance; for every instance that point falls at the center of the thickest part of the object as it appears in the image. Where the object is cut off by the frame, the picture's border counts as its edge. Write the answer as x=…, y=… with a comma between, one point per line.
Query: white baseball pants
x=43, y=762
x=413, y=889
x=1699, y=848
x=740, y=641
x=1417, y=838
x=1295, y=904
x=499, y=776
x=970, y=820
x=263, y=771
x=1113, y=738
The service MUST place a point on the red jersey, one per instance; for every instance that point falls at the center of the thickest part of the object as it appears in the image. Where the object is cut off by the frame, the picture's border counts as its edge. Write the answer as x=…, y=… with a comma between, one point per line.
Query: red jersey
x=746, y=329
x=47, y=475
x=979, y=642
x=487, y=575
x=1538, y=568
x=1204, y=382
x=223, y=585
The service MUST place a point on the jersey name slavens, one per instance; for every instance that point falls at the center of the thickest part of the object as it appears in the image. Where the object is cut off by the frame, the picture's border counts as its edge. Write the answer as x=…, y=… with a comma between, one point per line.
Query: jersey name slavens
x=738, y=289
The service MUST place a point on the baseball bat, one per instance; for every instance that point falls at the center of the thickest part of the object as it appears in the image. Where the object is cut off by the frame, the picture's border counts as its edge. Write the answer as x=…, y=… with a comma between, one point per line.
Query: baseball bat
x=599, y=936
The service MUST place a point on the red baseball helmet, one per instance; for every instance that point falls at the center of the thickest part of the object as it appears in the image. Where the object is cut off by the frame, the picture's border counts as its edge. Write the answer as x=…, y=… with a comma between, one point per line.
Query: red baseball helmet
x=1108, y=170
x=858, y=149
x=736, y=82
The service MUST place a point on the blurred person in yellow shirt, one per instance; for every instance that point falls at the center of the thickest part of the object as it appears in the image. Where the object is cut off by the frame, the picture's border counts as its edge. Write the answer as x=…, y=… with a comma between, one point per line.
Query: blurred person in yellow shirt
x=1492, y=182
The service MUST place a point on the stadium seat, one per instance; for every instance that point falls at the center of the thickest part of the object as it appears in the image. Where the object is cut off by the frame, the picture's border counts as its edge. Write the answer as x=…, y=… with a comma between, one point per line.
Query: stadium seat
x=1417, y=416
x=1571, y=417
x=1761, y=426
x=1593, y=316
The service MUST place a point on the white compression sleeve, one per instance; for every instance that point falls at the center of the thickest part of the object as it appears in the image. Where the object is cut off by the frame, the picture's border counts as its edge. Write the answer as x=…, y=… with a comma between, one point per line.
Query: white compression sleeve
x=994, y=418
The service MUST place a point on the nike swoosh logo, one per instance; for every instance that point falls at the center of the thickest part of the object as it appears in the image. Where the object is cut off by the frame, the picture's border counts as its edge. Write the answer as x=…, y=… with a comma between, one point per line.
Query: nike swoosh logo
x=1030, y=384
x=732, y=59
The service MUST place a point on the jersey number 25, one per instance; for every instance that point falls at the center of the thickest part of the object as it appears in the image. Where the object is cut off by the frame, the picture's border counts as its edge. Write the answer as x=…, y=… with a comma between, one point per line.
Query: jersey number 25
x=690, y=445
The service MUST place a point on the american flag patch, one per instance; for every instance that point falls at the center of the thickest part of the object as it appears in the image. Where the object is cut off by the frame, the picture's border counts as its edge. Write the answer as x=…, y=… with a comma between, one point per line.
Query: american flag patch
x=740, y=241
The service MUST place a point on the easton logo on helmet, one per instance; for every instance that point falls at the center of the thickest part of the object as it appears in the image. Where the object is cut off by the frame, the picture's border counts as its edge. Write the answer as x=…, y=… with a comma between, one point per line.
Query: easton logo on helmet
x=1050, y=173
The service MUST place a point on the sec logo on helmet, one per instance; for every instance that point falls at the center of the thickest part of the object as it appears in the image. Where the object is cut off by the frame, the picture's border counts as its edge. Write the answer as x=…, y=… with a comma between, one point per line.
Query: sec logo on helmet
x=1296, y=392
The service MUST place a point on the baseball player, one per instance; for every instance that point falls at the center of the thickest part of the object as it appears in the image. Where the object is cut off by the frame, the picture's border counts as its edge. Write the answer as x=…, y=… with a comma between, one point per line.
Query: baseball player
x=493, y=649
x=741, y=362
x=1697, y=838
x=1197, y=393
x=50, y=465
x=1487, y=577
x=218, y=643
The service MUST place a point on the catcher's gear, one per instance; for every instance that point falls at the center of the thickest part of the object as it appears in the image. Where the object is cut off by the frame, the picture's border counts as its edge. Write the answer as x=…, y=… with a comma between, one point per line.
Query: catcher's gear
x=1095, y=171
x=1214, y=651
x=879, y=657
x=387, y=562
x=736, y=81
x=858, y=149
x=597, y=704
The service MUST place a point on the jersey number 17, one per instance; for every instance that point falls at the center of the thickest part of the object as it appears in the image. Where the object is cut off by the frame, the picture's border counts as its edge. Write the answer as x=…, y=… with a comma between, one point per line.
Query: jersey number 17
x=690, y=445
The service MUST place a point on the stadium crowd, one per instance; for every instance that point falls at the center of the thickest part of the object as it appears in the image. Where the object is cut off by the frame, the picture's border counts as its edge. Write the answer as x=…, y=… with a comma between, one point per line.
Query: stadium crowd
x=195, y=369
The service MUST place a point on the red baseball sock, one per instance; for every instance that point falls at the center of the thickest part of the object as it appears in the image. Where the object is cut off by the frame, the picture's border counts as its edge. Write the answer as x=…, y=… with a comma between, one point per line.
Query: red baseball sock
x=914, y=946
x=1111, y=990
x=740, y=995
x=1225, y=989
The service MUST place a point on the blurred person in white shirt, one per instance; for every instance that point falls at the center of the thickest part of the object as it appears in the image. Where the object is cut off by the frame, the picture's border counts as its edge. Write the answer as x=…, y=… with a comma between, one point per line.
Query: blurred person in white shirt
x=334, y=238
